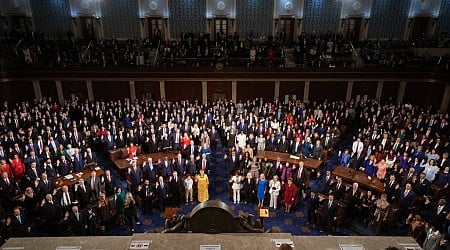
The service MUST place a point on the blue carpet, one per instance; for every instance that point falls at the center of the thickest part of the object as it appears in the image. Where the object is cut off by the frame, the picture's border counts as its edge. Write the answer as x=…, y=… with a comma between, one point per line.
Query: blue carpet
x=294, y=223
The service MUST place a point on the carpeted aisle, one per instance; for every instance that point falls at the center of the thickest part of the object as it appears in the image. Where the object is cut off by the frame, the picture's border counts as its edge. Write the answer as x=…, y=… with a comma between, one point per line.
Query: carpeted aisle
x=294, y=223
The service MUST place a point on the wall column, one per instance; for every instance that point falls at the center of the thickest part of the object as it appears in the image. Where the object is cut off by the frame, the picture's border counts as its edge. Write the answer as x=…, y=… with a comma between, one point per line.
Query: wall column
x=234, y=91
x=205, y=91
x=348, y=96
x=37, y=90
x=401, y=91
x=445, y=99
x=277, y=90
x=59, y=91
x=89, y=90
x=306, y=92
x=132, y=91
x=162, y=90
x=379, y=90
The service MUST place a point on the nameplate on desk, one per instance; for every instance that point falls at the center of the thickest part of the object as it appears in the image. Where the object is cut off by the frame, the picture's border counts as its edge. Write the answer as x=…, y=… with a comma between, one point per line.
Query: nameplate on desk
x=279, y=242
x=97, y=168
x=68, y=177
x=210, y=247
x=68, y=248
x=139, y=244
x=294, y=157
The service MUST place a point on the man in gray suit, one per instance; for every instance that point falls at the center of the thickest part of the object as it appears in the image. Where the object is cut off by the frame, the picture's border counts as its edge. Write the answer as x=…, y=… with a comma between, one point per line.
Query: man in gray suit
x=432, y=239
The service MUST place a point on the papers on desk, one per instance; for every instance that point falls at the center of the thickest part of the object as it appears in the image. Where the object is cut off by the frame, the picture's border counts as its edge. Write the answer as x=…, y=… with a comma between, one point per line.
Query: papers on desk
x=68, y=177
x=79, y=174
x=97, y=168
x=294, y=157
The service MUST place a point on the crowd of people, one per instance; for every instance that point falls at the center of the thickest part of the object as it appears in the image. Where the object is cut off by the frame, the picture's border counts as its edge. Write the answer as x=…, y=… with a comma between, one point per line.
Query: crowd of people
x=312, y=50
x=404, y=146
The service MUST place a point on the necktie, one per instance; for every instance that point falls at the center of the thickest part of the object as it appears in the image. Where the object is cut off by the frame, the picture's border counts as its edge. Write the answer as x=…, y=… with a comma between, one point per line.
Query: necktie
x=406, y=193
x=67, y=199
x=204, y=164
x=338, y=185
x=7, y=181
x=147, y=192
x=78, y=216
x=19, y=219
x=329, y=204
x=93, y=183
x=35, y=173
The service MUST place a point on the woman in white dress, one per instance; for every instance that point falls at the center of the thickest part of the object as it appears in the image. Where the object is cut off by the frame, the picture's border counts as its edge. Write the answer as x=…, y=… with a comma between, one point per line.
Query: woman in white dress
x=261, y=142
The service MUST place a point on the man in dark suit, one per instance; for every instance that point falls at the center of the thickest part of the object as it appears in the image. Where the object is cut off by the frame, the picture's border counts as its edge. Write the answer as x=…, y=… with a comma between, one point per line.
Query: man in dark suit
x=93, y=184
x=90, y=156
x=317, y=150
x=109, y=183
x=64, y=166
x=249, y=186
x=45, y=186
x=8, y=189
x=296, y=147
x=271, y=143
x=329, y=214
x=299, y=176
x=109, y=142
x=136, y=177
x=179, y=165
x=50, y=212
x=391, y=188
x=176, y=188
x=406, y=200
x=339, y=189
x=283, y=145
x=232, y=163
x=149, y=170
x=422, y=186
x=18, y=224
x=81, y=193
x=33, y=172
x=65, y=198
x=327, y=182
x=78, y=161
x=77, y=221
x=162, y=192
x=203, y=164
x=312, y=205
x=33, y=158
x=146, y=193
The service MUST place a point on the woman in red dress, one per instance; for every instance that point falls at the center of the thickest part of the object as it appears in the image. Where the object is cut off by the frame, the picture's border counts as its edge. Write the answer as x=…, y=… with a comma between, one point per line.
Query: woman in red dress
x=5, y=167
x=18, y=168
x=185, y=141
x=289, y=195
x=132, y=150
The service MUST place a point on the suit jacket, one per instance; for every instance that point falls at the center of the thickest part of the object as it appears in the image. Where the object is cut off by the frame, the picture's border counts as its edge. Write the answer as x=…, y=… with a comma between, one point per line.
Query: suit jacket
x=110, y=185
x=79, y=224
x=82, y=195
x=19, y=229
x=162, y=191
x=431, y=240
x=300, y=179
x=390, y=190
x=423, y=188
x=179, y=166
x=93, y=190
x=330, y=211
x=338, y=192
x=317, y=151
x=78, y=162
x=32, y=175
x=136, y=176
x=7, y=192
x=407, y=201
x=248, y=187
x=45, y=188
x=176, y=187
x=296, y=148
x=150, y=172
x=91, y=159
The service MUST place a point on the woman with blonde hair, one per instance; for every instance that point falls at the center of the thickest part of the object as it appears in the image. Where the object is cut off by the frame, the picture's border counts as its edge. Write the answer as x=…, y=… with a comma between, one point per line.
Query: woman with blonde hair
x=130, y=210
x=274, y=191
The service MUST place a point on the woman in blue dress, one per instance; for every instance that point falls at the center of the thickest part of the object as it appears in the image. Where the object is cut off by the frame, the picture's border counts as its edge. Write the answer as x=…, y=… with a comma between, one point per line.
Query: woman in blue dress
x=369, y=167
x=262, y=186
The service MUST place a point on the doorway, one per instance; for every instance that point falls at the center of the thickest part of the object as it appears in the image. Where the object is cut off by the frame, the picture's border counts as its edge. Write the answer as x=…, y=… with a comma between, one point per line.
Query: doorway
x=352, y=28
x=155, y=28
x=220, y=29
x=421, y=27
x=286, y=30
x=87, y=28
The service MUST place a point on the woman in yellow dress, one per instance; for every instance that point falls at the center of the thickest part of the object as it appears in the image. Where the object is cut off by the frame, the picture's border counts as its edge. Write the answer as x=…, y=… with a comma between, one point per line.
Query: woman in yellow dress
x=202, y=186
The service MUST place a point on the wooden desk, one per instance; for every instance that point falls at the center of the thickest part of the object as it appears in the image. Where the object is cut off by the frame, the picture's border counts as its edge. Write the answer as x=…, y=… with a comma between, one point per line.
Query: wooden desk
x=124, y=164
x=61, y=181
x=273, y=156
x=351, y=175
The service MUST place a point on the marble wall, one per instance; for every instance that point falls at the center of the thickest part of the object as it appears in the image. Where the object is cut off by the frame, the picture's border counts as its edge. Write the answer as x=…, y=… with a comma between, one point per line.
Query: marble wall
x=256, y=15
x=120, y=18
x=321, y=15
x=52, y=17
x=388, y=19
x=186, y=16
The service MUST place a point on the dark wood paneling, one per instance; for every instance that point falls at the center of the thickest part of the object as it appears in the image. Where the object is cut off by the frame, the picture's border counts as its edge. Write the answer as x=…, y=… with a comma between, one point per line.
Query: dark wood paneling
x=292, y=88
x=390, y=91
x=176, y=91
x=111, y=90
x=364, y=88
x=253, y=90
x=219, y=88
x=424, y=94
x=332, y=91
x=48, y=89
x=77, y=88
x=147, y=89
x=17, y=91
